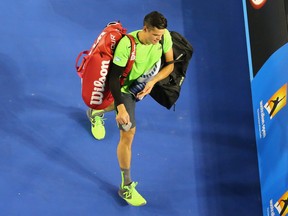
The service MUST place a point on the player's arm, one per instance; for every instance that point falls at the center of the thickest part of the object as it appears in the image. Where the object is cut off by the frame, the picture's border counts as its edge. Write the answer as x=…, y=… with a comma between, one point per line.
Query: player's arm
x=115, y=72
x=167, y=69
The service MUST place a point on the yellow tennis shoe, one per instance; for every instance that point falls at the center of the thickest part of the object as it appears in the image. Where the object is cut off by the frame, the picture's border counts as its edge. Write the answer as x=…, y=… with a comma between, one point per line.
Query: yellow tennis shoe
x=131, y=195
x=96, y=118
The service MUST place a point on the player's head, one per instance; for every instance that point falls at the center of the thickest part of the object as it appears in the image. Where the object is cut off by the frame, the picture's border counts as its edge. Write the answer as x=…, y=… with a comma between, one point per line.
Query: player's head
x=155, y=20
x=154, y=27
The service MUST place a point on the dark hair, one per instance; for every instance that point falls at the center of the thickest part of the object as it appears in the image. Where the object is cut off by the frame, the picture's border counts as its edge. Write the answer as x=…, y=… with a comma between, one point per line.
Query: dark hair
x=155, y=19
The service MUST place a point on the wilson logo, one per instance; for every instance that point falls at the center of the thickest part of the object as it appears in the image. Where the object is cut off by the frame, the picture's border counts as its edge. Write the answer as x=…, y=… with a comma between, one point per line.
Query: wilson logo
x=99, y=85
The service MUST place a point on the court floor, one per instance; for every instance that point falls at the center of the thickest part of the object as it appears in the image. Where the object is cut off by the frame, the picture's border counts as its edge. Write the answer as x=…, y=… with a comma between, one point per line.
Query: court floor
x=197, y=160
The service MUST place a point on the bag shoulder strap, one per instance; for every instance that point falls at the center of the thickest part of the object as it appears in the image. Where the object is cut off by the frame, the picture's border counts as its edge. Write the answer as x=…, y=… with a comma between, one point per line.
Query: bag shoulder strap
x=163, y=55
x=131, y=59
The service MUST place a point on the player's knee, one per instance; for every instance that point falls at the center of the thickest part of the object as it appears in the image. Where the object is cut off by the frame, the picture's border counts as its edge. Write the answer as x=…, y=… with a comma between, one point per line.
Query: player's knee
x=127, y=137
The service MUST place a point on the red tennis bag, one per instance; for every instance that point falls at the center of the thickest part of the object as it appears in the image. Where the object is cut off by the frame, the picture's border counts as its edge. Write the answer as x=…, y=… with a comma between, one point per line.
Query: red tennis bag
x=94, y=67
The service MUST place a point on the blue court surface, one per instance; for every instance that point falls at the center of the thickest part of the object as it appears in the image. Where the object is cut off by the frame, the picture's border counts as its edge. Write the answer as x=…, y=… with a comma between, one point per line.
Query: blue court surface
x=198, y=160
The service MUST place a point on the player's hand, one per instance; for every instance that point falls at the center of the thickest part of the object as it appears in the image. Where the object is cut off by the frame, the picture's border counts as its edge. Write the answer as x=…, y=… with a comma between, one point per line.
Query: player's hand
x=122, y=116
x=148, y=88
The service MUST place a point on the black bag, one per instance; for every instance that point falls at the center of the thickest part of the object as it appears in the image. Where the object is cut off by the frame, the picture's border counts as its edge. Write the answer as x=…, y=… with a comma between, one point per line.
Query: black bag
x=167, y=91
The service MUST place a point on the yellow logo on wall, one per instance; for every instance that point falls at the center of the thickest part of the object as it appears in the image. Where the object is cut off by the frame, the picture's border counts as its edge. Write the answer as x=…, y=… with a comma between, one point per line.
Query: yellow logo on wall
x=277, y=101
x=282, y=205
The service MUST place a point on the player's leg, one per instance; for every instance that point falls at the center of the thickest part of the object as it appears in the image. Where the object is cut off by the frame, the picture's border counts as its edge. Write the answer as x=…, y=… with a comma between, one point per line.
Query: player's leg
x=124, y=153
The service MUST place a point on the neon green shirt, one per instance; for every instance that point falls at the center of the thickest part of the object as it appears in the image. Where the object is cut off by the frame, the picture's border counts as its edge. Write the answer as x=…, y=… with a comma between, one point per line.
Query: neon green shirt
x=146, y=55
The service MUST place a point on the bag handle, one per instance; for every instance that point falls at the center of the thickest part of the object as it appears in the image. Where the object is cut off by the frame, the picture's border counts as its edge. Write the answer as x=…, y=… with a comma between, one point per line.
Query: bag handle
x=80, y=67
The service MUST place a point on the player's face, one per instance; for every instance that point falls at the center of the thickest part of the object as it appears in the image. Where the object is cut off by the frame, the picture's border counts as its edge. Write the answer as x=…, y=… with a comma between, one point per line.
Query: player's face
x=154, y=35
